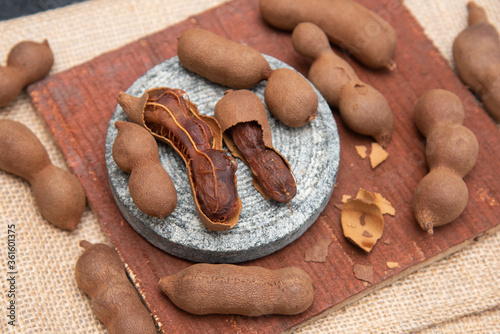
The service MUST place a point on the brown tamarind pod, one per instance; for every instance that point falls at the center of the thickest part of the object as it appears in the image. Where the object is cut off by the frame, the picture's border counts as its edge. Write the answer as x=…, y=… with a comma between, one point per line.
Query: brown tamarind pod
x=476, y=52
x=27, y=62
x=245, y=290
x=451, y=152
x=171, y=117
x=290, y=97
x=135, y=151
x=58, y=194
x=347, y=23
x=221, y=60
x=99, y=272
x=362, y=108
x=247, y=133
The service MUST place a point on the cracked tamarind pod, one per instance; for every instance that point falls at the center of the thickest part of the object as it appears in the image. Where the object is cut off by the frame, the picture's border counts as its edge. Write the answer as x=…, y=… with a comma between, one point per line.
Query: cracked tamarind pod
x=58, y=194
x=451, y=152
x=476, y=51
x=247, y=133
x=363, y=108
x=171, y=117
x=135, y=151
x=245, y=290
x=100, y=273
x=346, y=23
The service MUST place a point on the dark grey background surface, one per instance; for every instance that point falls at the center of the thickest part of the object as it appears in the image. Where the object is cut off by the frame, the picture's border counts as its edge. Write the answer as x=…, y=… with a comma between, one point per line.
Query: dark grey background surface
x=14, y=8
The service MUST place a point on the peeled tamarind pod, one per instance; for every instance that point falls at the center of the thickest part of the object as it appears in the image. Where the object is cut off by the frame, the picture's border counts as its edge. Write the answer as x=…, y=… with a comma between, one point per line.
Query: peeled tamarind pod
x=27, y=62
x=135, y=151
x=100, y=273
x=451, y=152
x=221, y=60
x=172, y=118
x=245, y=290
x=363, y=108
x=346, y=23
x=58, y=194
x=247, y=133
x=476, y=51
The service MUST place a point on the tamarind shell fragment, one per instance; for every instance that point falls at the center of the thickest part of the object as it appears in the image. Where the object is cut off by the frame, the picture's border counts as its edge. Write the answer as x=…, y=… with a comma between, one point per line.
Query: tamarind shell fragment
x=208, y=128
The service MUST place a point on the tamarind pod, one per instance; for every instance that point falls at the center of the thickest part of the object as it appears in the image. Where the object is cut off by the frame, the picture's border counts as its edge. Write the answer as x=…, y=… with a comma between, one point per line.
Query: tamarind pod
x=362, y=108
x=451, y=152
x=245, y=290
x=476, y=52
x=346, y=23
x=135, y=151
x=268, y=167
x=58, y=194
x=221, y=60
x=99, y=272
x=170, y=116
x=27, y=62
x=247, y=133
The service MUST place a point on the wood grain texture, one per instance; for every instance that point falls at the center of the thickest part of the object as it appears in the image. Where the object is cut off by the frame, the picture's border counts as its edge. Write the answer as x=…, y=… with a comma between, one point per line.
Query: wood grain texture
x=78, y=103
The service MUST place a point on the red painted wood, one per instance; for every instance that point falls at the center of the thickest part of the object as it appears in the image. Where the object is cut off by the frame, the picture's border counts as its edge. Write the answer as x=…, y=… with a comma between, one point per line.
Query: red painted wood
x=78, y=103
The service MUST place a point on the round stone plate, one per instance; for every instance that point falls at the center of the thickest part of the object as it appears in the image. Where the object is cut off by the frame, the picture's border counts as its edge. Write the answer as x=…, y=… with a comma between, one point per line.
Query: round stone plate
x=264, y=227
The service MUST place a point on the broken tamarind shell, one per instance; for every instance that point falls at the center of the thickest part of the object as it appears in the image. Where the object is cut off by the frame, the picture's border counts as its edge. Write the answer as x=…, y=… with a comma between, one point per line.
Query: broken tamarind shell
x=173, y=119
x=243, y=120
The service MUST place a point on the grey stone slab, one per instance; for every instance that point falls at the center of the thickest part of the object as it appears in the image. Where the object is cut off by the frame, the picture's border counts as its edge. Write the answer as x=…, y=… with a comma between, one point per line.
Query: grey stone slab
x=264, y=227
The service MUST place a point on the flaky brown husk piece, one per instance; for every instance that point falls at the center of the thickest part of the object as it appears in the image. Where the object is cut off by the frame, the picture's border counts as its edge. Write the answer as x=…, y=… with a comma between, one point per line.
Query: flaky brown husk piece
x=134, y=108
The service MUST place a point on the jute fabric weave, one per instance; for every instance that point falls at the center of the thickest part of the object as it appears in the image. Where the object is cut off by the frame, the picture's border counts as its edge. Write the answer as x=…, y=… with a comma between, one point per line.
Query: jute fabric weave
x=459, y=294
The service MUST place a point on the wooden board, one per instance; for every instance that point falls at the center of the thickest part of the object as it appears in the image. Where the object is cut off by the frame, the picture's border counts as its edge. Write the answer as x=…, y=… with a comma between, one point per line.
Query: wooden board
x=78, y=103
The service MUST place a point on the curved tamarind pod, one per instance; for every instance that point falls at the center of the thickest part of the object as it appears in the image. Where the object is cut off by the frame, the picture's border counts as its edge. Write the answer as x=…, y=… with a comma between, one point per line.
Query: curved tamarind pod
x=100, y=273
x=246, y=290
x=476, y=51
x=135, y=151
x=247, y=133
x=58, y=194
x=172, y=118
x=451, y=152
x=363, y=108
x=27, y=62
x=346, y=23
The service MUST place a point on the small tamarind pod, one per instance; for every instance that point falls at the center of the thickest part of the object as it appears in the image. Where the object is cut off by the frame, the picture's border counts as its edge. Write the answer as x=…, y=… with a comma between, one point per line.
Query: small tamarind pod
x=171, y=117
x=476, y=52
x=362, y=108
x=99, y=272
x=245, y=290
x=290, y=97
x=346, y=23
x=451, y=152
x=27, y=62
x=221, y=60
x=247, y=134
x=135, y=151
x=58, y=194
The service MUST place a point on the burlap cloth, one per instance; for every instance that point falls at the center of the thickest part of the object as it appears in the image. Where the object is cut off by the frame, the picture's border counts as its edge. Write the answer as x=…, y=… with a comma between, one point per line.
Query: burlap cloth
x=458, y=294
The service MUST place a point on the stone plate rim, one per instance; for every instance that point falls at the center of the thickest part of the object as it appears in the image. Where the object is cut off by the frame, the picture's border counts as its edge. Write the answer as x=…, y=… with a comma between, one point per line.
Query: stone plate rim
x=190, y=240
